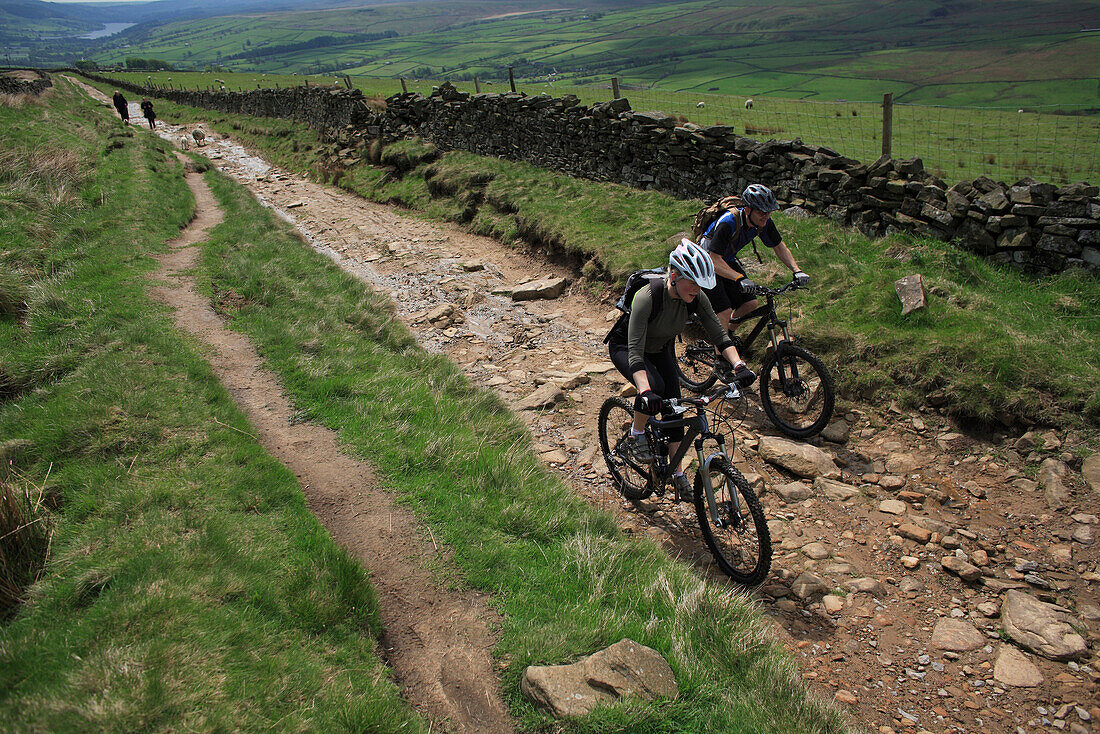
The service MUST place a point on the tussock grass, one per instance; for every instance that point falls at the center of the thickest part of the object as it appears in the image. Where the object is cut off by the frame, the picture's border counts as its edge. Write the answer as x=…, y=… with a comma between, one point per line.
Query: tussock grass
x=25, y=532
x=43, y=173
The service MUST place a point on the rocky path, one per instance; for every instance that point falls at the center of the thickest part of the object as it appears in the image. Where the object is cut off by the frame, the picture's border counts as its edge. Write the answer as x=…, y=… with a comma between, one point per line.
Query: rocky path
x=925, y=581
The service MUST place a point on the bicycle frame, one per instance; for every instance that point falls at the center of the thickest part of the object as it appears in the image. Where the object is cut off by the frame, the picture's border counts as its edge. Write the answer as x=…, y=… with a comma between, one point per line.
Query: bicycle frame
x=696, y=430
x=768, y=318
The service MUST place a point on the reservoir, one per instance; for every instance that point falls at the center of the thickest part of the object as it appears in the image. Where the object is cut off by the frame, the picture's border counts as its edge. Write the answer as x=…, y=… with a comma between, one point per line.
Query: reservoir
x=108, y=29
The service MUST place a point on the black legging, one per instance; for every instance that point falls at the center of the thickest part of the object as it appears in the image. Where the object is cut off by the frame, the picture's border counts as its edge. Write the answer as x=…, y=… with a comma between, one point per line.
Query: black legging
x=660, y=368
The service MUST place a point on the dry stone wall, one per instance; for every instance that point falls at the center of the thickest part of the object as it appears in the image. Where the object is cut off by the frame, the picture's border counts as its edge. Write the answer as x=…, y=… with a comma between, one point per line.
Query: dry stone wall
x=1036, y=226
x=15, y=82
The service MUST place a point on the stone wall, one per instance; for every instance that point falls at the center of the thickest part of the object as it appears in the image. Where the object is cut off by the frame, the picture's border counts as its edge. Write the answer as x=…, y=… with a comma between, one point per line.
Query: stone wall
x=18, y=81
x=1039, y=227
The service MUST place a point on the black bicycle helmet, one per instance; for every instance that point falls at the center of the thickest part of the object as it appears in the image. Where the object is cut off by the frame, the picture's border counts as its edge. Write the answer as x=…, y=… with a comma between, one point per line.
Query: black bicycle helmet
x=760, y=197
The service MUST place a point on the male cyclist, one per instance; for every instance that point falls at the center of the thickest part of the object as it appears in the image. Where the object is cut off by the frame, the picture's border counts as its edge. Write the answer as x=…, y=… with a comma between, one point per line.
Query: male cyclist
x=733, y=294
x=643, y=351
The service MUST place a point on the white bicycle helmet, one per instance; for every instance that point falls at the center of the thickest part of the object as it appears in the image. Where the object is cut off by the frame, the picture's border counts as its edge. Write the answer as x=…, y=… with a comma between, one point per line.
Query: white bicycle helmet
x=694, y=263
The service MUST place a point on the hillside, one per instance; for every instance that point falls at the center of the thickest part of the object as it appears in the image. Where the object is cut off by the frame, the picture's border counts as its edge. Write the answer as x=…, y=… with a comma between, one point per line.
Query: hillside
x=868, y=599
x=1012, y=52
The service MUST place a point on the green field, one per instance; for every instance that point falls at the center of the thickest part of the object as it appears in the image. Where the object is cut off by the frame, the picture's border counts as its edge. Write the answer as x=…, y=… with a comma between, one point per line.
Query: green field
x=955, y=143
x=1016, y=53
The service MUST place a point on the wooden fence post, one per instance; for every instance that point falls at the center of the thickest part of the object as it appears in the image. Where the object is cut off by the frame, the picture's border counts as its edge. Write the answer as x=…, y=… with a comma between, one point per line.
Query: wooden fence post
x=511, y=79
x=887, y=122
x=477, y=85
x=614, y=87
x=403, y=87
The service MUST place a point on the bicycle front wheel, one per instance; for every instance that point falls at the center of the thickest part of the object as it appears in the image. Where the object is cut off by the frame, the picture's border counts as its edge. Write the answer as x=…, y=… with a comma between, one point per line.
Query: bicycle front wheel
x=734, y=526
x=631, y=478
x=796, y=391
x=695, y=361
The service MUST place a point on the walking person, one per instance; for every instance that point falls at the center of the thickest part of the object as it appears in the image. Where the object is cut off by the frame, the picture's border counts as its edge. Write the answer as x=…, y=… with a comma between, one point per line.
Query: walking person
x=147, y=110
x=122, y=106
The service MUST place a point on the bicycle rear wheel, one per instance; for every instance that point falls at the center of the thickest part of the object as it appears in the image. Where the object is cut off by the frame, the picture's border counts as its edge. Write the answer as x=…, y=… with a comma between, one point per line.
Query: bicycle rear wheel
x=695, y=360
x=632, y=479
x=796, y=391
x=738, y=537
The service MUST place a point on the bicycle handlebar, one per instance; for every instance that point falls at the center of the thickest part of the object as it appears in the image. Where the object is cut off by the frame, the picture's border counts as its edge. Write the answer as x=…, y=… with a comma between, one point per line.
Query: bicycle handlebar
x=763, y=290
x=720, y=392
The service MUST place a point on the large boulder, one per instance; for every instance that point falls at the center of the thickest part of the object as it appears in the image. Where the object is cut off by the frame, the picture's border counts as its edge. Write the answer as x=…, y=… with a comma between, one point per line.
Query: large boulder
x=1045, y=629
x=798, y=458
x=625, y=669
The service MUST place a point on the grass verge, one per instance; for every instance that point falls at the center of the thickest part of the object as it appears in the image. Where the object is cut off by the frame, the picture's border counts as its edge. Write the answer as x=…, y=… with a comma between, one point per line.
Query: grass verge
x=185, y=585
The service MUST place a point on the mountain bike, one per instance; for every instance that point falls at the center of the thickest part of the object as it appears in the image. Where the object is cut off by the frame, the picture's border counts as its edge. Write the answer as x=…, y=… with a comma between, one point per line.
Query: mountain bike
x=796, y=389
x=729, y=512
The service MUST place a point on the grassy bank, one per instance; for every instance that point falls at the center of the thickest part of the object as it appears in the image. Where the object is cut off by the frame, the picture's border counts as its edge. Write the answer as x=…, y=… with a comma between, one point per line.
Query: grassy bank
x=994, y=346
x=186, y=585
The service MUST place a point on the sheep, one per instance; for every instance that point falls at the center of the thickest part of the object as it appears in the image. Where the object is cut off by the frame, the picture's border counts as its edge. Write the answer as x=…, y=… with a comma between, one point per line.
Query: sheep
x=748, y=104
x=701, y=105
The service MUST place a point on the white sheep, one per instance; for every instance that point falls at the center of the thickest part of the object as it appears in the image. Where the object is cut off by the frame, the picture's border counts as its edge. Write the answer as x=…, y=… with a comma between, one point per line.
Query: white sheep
x=701, y=105
x=748, y=104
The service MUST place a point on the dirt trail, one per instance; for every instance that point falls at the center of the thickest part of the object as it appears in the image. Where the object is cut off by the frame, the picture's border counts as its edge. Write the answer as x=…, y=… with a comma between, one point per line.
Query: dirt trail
x=437, y=640
x=868, y=641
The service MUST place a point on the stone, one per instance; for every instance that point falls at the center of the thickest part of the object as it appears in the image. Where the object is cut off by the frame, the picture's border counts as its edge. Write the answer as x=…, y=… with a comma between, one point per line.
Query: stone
x=1084, y=534
x=837, y=432
x=910, y=290
x=1090, y=471
x=910, y=585
x=891, y=481
x=834, y=490
x=866, y=585
x=844, y=696
x=794, y=491
x=807, y=584
x=625, y=669
x=956, y=635
x=966, y=571
x=1014, y=669
x=544, y=397
x=798, y=458
x=915, y=532
x=1051, y=472
x=544, y=289
x=893, y=507
x=816, y=551
x=832, y=603
x=1044, y=629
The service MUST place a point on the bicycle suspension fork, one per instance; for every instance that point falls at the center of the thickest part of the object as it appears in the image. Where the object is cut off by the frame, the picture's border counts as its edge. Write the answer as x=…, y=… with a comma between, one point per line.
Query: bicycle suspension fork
x=704, y=476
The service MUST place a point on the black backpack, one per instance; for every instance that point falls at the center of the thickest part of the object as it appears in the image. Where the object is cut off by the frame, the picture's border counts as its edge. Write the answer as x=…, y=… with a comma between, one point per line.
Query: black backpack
x=655, y=279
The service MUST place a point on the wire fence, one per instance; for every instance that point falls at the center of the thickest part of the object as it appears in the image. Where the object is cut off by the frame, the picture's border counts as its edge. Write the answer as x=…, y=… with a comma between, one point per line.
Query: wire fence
x=1058, y=145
